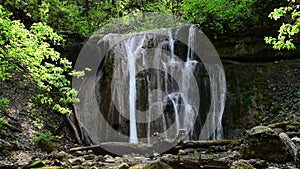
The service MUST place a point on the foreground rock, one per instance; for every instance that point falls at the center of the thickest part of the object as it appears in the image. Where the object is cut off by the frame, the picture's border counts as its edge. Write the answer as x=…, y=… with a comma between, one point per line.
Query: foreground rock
x=264, y=143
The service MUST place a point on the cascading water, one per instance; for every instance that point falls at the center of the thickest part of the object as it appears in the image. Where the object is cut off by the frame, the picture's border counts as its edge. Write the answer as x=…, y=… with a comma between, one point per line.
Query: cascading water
x=131, y=51
x=155, y=91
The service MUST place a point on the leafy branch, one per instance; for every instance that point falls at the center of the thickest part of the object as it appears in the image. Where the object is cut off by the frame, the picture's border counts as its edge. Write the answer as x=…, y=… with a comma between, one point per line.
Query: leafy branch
x=287, y=31
x=29, y=52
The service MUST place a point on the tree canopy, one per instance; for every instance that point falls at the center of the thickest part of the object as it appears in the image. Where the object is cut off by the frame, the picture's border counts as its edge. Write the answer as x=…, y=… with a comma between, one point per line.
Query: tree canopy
x=31, y=31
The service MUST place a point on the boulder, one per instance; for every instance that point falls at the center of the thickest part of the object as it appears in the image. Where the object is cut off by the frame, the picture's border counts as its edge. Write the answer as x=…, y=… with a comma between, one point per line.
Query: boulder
x=264, y=143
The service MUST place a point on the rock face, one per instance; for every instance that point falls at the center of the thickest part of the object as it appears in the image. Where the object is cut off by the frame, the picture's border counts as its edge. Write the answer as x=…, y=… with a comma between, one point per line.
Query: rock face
x=263, y=142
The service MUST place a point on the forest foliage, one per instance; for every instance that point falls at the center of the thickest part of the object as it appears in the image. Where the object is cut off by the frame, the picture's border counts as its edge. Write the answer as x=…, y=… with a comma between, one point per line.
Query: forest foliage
x=31, y=31
x=288, y=30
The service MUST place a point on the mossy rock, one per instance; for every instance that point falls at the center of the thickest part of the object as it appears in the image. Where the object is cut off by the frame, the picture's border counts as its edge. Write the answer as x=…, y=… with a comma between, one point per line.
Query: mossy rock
x=241, y=164
x=36, y=164
x=264, y=143
x=49, y=146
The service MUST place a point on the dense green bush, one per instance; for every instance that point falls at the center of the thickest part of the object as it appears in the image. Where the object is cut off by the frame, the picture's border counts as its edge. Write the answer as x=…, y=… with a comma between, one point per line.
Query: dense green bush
x=85, y=17
x=28, y=52
x=218, y=15
x=82, y=17
x=287, y=31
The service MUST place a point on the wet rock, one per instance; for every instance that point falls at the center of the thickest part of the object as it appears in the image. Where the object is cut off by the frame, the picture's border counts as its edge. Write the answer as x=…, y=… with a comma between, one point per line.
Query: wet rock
x=263, y=142
x=241, y=164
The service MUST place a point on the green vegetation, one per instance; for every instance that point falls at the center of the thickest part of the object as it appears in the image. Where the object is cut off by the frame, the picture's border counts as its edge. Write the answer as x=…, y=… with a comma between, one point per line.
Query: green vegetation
x=47, y=136
x=218, y=15
x=29, y=52
x=287, y=30
x=289, y=106
x=4, y=102
x=85, y=17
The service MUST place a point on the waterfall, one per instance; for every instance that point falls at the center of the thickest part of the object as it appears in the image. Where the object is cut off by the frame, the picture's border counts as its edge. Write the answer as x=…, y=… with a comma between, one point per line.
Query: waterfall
x=145, y=88
x=132, y=49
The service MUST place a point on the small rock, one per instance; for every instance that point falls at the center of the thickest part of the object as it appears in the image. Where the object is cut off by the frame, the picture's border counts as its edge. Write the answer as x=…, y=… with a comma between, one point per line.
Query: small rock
x=78, y=153
x=123, y=166
x=99, y=158
x=76, y=161
x=109, y=160
x=181, y=152
x=89, y=157
x=241, y=164
x=61, y=155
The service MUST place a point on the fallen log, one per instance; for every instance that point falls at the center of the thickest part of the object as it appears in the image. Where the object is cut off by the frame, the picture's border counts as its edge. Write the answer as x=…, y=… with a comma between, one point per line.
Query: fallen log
x=293, y=150
x=121, y=148
x=118, y=148
x=205, y=144
x=283, y=124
